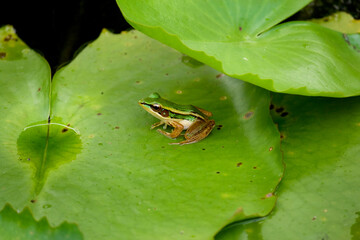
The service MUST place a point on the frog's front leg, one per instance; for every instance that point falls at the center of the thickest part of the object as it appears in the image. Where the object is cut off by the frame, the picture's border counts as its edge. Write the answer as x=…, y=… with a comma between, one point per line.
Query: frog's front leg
x=157, y=124
x=175, y=132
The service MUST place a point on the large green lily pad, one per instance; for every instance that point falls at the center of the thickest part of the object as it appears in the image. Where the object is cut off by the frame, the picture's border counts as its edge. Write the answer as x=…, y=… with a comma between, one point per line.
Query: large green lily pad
x=96, y=163
x=319, y=195
x=240, y=39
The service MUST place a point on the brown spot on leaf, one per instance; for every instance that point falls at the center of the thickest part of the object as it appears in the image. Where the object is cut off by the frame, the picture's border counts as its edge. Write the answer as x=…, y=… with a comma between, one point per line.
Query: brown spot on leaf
x=254, y=167
x=240, y=28
x=2, y=55
x=269, y=195
x=314, y=218
x=271, y=106
x=279, y=110
x=117, y=127
x=217, y=172
x=270, y=149
x=33, y=200
x=8, y=38
x=284, y=114
x=248, y=114
x=239, y=164
x=99, y=114
x=347, y=40
x=220, y=75
x=64, y=130
x=240, y=210
x=39, y=89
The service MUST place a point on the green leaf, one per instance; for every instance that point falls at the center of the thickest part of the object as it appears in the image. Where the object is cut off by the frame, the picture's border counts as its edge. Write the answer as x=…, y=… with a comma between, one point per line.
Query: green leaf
x=240, y=39
x=319, y=194
x=127, y=177
x=340, y=21
x=22, y=225
x=24, y=97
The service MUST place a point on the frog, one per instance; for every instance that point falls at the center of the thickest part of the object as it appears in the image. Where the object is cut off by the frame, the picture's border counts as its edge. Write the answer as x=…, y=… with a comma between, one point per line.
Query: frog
x=195, y=121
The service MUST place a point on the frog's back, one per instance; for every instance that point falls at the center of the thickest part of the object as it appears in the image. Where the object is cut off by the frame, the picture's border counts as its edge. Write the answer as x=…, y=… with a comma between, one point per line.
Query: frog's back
x=190, y=110
x=176, y=109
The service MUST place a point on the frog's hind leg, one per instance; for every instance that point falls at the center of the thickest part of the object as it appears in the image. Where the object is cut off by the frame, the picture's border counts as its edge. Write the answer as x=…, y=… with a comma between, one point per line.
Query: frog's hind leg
x=206, y=113
x=198, y=131
x=175, y=132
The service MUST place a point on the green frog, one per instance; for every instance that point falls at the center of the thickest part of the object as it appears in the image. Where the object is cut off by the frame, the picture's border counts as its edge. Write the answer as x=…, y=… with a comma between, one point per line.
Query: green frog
x=193, y=119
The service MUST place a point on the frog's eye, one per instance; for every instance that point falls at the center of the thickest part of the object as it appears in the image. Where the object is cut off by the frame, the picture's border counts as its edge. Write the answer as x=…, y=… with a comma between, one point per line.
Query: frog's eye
x=156, y=107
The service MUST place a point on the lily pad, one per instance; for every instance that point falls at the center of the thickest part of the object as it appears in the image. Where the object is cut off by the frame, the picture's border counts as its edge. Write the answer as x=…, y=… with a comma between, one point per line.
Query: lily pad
x=241, y=39
x=341, y=22
x=24, y=99
x=319, y=195
x=22, y=225
x=115, y=171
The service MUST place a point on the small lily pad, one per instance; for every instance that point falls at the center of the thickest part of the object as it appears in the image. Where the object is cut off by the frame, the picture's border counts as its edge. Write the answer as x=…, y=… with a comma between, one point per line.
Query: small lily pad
x=22, y=225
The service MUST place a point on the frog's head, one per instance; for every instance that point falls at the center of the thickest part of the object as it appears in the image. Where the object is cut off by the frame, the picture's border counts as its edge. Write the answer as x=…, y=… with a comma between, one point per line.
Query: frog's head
x=152, y=99
x=155, y=105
